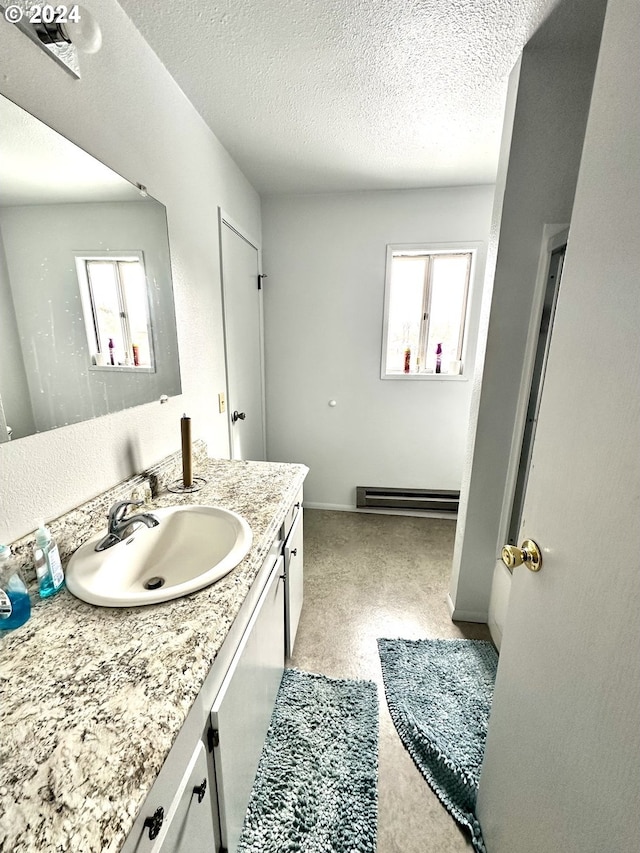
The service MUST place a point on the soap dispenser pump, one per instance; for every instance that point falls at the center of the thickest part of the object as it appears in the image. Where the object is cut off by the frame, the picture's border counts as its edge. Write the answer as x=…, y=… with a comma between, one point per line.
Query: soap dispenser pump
x=47, y=562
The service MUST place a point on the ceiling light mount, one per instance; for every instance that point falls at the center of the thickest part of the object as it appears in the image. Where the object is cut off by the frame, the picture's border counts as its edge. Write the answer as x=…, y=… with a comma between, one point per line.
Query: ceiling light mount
x=61, y=31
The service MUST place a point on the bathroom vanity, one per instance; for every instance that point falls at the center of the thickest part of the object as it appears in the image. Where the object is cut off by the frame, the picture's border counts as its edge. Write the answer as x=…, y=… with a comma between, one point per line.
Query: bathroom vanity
x=140, y=729
x=204, y=786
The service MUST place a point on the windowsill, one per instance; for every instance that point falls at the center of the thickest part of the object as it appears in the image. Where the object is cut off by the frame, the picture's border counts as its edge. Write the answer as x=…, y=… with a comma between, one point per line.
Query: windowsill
x=430, y=377
x=121, y=368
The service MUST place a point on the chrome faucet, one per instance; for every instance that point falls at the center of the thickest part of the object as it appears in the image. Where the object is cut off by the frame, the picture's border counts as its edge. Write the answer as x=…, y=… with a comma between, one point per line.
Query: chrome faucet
x=122, y=525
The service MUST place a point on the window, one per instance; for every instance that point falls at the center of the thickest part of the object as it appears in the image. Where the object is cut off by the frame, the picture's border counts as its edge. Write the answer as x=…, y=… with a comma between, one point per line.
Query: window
x=426, y=297
x=113, y=287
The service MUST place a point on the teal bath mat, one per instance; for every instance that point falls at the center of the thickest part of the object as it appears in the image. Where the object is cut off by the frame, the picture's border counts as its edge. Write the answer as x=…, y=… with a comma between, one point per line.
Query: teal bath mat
x=439, y=694
x=316, y=789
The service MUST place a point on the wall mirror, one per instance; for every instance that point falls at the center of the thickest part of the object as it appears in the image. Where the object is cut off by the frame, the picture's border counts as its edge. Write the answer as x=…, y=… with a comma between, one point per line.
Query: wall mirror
x=87, y=319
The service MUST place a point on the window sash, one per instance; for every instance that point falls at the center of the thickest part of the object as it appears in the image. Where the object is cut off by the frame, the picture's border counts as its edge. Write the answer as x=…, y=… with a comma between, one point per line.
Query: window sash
x=463, y=302
x=98, y=334
x=91, y=266
x=423, y=355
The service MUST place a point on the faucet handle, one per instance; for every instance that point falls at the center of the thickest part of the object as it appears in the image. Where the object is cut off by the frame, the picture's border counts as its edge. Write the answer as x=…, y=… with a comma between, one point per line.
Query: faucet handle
x=119, y=510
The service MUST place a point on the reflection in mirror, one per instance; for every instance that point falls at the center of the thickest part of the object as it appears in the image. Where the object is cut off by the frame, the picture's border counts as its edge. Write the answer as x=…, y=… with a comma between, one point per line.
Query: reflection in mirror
x=87, y=320
x=113, y=289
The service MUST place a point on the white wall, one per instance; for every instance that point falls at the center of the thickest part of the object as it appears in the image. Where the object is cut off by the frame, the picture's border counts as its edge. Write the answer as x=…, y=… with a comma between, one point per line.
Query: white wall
x=15, y=399
x=128, y=112
x=536, y=186
x=324, y=297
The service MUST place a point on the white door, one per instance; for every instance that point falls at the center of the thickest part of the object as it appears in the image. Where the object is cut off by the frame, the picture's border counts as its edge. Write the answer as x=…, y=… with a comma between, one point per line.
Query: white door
x=562, y=762
x=242, y=300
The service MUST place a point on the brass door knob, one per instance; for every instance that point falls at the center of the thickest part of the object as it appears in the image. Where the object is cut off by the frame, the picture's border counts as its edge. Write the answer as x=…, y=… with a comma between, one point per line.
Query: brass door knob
x=528, y=553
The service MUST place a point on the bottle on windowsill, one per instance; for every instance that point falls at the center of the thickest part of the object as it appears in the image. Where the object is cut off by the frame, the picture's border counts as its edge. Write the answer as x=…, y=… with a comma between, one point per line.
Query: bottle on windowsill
x=407, y=359
x=439, y=358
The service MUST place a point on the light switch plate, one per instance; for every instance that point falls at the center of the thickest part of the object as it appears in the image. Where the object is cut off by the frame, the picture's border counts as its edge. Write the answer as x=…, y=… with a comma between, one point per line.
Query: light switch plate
x=222, y=402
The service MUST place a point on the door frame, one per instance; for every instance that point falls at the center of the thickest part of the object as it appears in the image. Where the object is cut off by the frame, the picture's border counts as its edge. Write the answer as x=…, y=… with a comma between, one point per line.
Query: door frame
x=225, y=219
x=4, y=432
x=553, y=237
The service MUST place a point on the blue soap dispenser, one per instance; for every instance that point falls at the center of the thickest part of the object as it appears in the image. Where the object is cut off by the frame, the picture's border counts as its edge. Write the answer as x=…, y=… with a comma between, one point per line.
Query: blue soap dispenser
x=47, y=562
x=15, y=604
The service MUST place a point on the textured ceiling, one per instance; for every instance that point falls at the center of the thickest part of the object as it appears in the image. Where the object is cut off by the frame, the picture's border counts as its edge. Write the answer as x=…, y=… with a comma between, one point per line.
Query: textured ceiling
x=338, y=95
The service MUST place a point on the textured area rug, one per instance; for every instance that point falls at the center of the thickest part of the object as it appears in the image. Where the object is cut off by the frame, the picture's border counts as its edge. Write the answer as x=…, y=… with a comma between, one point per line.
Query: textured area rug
x=316, y=787
x=439, y=695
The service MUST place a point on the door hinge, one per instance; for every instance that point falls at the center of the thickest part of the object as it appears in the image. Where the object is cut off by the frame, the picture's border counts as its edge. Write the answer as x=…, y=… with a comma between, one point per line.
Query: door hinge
x=260, y=277
x=213, y=738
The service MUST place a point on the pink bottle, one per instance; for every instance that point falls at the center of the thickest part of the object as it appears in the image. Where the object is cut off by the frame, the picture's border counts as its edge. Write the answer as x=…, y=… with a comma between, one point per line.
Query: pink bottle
x=439, y=358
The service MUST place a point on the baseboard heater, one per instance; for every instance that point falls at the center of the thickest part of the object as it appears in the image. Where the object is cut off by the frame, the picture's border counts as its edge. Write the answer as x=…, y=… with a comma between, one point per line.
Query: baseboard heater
x=432, y=500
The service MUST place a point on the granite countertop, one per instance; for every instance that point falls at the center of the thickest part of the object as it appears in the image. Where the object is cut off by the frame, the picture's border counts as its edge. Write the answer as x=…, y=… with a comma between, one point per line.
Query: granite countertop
x=92, y=698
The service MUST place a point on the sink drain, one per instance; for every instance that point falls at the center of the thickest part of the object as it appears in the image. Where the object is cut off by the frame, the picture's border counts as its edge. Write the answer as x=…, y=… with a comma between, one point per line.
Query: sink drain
x=154, y=583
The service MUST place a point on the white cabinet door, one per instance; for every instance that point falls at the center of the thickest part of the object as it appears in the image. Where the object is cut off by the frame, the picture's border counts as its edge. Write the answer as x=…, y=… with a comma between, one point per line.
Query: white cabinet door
x=188, y=824
x=294, y=581
x=290, y=517
x=242, y=711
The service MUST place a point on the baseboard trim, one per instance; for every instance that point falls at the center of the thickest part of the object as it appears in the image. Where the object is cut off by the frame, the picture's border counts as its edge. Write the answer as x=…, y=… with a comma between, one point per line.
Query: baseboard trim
x=465, y=615
x=337, y=507
x=378, y=511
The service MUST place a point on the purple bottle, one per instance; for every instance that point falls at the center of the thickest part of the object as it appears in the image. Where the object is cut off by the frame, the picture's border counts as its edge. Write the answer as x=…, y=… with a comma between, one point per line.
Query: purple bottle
x=439, y=358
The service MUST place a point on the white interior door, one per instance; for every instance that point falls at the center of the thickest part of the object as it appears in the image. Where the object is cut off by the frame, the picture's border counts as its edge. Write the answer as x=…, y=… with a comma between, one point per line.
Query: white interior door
x=562, y=768
x=243, y=341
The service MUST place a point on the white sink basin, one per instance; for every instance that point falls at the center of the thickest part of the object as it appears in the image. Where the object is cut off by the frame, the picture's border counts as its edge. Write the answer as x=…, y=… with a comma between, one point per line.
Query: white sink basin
x=192, y=547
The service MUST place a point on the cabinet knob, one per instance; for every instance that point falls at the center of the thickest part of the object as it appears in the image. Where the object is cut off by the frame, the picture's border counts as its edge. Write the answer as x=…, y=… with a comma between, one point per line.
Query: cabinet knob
x=294, y=552
x=200, y=789
x=154, y=823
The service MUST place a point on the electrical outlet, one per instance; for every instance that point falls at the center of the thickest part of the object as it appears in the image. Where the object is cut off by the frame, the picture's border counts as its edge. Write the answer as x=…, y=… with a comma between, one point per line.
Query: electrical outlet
x=222, y=402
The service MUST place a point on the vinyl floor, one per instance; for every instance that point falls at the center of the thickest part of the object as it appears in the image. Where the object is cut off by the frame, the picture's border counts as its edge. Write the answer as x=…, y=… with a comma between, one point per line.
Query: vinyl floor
x=369, y=576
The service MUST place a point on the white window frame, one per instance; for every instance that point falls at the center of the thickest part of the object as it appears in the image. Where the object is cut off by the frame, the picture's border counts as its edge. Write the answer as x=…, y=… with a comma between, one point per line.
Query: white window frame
x=81, y=259
x=420, y=249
